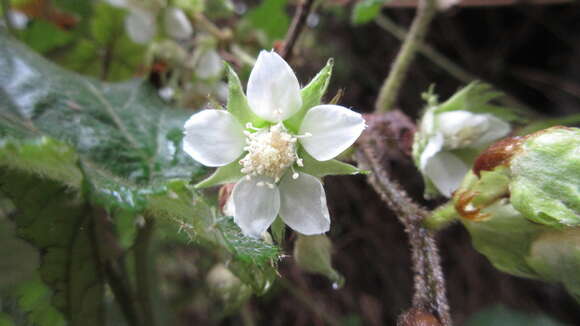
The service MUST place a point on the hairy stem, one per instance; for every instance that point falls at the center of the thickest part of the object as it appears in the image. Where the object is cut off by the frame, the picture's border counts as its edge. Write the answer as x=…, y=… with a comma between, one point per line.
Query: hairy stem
x=296, y=28
x=429, y=293
x=392, y=84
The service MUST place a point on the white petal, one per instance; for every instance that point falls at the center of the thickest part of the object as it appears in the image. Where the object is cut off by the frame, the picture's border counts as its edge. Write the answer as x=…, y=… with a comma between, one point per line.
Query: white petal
x=446, y=171
x=213, y=137
x=176, y=23
x=140, y=25
x=496, y=129
x=465, y=129
x=256, y=207
x=453, y=122
x=210, y=65
x=273, y=90
x=333, y=128
x=303, y=204
x=433, y=147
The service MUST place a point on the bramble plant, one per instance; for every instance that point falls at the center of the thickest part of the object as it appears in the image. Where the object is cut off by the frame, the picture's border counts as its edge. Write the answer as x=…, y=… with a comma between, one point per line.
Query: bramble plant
x=114, y=114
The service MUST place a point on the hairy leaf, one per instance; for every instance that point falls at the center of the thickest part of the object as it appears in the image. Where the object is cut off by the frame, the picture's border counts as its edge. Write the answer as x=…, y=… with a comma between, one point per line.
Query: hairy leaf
x=79, y=142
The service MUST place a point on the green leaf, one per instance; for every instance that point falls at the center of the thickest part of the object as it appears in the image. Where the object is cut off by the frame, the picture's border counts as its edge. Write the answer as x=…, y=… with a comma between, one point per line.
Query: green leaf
x=366, y=10
x=271, y=18
x=5, y=320
x=44, y=36
x=237, y=101
x=84, y=143
x=311, y=95
x=33, y=298
x=56, y=221
x=323, y=168
x=19, y=259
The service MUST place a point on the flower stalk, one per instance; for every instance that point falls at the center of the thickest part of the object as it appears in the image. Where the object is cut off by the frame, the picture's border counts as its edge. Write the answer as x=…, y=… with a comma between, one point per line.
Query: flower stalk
x=392, y=85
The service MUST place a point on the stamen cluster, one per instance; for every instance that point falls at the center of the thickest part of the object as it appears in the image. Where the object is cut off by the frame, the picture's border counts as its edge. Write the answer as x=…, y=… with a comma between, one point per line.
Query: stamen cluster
x=270, y=152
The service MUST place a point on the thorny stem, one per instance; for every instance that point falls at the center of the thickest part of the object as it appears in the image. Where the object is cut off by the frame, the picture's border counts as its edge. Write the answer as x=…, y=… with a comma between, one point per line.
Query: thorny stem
x=389, y=91
x=429, y=284
x=296, y=28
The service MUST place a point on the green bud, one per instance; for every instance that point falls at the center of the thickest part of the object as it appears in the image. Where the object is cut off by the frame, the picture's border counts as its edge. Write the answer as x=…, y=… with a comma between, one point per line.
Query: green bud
x=313, y=254
x=521, y=205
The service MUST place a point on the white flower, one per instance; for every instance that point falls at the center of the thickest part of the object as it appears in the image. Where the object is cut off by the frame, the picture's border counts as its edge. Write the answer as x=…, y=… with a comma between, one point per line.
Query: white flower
x=141, y=22
x=268, y=156
x=449, y=132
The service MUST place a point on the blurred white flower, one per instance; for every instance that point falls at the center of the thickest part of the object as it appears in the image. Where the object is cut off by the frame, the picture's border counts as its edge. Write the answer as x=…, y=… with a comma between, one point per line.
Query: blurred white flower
x=18, y=19
x=268, y=156
x=140, y=25
x=176, y=24
x=141, y=22
x=209, y=65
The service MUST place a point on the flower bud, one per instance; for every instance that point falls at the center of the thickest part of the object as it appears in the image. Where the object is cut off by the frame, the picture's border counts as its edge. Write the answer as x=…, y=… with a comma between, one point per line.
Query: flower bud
x=452, y=134
x=140, y=26
x=521, y=205
x=313, y=254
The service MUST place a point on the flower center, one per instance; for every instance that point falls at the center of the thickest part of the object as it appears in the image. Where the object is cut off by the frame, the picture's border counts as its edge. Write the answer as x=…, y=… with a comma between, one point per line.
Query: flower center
x=270, y=152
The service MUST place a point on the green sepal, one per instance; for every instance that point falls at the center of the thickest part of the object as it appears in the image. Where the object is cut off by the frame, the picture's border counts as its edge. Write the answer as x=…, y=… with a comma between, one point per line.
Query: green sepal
x=556, y=257
x=476, y=98
x=225, y=174
x=313, y=254
x=278, y=230
x=320, y=169
x=311, y=95
x=237, y=101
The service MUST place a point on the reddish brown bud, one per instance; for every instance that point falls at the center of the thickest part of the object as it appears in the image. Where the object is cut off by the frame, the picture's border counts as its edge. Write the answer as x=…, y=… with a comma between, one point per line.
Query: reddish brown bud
x=417, y=317
x=497, y=154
